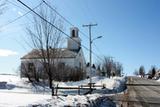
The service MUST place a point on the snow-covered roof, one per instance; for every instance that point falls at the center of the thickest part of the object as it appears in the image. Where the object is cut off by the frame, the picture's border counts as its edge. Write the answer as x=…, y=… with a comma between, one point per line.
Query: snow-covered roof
x=56, y=53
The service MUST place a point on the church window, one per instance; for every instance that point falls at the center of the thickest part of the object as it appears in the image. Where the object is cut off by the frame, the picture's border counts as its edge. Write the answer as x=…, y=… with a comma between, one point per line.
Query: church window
x=73, y=33
x=80, y=65
x=30, y=67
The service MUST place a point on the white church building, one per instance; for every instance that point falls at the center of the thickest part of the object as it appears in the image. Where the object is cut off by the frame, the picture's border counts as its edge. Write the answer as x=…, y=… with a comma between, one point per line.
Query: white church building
x=71, y=56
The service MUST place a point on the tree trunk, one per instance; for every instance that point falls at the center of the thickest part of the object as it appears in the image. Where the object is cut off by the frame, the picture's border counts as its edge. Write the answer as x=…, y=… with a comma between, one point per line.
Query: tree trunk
x=50, y=82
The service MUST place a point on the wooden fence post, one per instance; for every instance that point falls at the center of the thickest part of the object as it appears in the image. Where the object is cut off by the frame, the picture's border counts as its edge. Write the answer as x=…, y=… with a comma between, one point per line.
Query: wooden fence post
x=52, y=90
x=56, y=89
x=78, y=90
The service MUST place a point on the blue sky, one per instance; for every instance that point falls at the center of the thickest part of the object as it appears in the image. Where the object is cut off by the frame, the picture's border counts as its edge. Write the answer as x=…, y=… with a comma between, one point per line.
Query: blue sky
x=130, y=30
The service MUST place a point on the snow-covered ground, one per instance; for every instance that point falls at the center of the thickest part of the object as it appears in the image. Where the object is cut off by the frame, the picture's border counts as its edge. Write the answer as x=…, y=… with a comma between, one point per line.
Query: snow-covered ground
x=22, y=99
x=18, y=92
x=158, y=80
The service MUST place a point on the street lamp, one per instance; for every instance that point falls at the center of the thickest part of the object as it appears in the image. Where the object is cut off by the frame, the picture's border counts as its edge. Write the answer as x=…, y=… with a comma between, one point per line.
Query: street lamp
x=96, y=38
x=91, y=41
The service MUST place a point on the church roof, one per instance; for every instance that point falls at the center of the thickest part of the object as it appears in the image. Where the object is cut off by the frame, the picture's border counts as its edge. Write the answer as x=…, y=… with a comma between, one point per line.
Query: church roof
x=56, y=53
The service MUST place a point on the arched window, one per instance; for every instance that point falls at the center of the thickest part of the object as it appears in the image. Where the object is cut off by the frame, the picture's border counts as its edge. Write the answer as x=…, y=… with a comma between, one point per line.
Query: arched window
x=73, y=33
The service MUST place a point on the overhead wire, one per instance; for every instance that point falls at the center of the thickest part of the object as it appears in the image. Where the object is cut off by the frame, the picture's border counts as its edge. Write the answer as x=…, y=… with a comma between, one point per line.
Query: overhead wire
x=64, y=18
x=54, y=26
x=15, y=5
x=89, y=15
x=14, y=20
x=98, y=50
x=47, y=21
x=57, y=13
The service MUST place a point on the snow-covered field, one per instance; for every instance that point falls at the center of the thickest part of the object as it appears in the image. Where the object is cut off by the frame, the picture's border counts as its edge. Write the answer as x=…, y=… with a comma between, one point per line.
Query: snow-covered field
x=19, y=93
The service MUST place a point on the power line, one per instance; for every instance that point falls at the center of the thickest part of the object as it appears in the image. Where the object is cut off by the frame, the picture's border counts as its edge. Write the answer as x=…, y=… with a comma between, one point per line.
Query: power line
x=14, y=20
x=19, y=17
x=98, y=50
x=57, y=13
x=63, y=17
x=54, y=26
x=15, y=5
x=48, y=22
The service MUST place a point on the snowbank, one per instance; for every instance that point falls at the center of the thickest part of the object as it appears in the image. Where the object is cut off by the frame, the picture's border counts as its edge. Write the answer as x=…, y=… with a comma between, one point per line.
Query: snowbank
x=19, y=92
x=21, y=99
x=158, y=80
x=109, y=83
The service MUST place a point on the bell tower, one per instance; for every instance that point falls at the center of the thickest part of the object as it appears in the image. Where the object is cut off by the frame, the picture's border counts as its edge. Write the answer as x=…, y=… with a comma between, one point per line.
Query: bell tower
x=74, y=42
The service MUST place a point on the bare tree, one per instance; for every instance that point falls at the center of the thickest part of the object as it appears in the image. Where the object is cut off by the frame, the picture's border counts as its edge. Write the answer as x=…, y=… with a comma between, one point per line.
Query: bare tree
x=111, y=68
x=153, y=71
x=141, y=71
x=67, y=73
x=28, y=70
x=107, y=65
x=25, y=72
x=99, y=71
x=118, y=68
x=46, y=39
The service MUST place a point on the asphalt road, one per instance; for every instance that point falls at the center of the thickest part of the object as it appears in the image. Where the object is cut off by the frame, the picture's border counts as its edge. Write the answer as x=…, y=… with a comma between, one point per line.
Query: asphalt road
x=141, y=93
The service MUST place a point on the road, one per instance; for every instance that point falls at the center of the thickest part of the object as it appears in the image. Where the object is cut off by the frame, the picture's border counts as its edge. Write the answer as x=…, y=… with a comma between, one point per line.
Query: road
x=141, y=93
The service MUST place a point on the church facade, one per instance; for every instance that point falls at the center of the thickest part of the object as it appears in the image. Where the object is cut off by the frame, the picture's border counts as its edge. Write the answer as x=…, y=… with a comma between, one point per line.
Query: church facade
x=71, y=56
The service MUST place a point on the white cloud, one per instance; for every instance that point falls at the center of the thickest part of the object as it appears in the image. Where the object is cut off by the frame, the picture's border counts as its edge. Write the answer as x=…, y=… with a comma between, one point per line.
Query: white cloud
x=5, y=52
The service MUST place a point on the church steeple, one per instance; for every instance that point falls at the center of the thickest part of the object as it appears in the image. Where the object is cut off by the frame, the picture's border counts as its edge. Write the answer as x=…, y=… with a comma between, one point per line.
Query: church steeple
x=74, y=32
x=74, y=42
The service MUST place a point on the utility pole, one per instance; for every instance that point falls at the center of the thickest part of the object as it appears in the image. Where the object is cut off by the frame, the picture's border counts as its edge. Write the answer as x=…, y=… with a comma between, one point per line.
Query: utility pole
x=90, y=53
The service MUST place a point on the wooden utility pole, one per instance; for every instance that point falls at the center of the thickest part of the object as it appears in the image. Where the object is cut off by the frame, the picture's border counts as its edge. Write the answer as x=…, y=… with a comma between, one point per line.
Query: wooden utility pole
x=90, y=52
